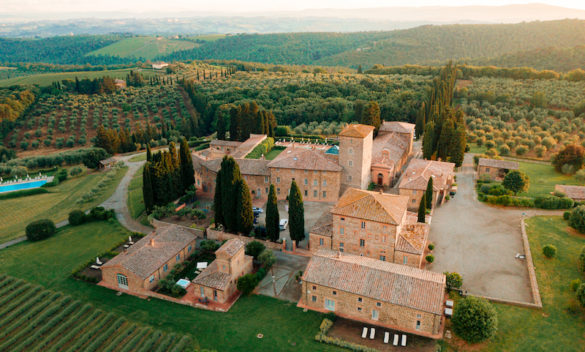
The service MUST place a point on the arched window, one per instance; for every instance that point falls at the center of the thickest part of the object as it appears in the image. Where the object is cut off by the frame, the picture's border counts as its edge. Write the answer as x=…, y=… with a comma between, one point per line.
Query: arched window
x=122, y=281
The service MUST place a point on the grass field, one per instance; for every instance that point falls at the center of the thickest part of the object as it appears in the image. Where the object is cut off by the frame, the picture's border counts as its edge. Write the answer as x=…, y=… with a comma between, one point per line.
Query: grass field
x=543, y=178
x=208, y=37
x=16, y=213
x=46, y=79
x=144, y=47
x=34, y=318
x=135, y=199
x=138, y=157
x=284, y=326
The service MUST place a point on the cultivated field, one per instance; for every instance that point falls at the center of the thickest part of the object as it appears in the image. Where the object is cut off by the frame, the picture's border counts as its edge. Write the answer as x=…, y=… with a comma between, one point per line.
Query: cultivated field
x=35, y=319
x=144, y=47
x=16, y=213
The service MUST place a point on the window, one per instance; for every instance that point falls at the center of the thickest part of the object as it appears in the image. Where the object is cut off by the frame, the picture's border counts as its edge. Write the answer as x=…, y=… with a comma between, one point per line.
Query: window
x=314, y=288
x=349, y=178
x=414, y=193
x=359, y=309
x=383, y=258
x=359, y=299
x=321, y=242
x=363, y=224
x=278, y=190
x=324, y=194
x=306, y=171
x=306, y=181
x=278, y=179
x=165, y=268
x=265, y=179
x=324, y=183
x=362, y=243
x=405, y=260
x=122, y=281
x=487, y=169
x=374, y=314
x=189, y=248
x=306, y=193
x=246, y=177
x=315, y=194
x=350, y=150
x=341, y=246
x=266, y=189
x=315, y=183
x=215, y=295
x=342, y=219
x=418, y=324
x=314, y=298
x=151, y=279
x=413, y=201
x=329, y=304
x=334, y=293
x=341, y=230
x=350, y=163
x=202, y=290
x=378, y=304
x=178, y=257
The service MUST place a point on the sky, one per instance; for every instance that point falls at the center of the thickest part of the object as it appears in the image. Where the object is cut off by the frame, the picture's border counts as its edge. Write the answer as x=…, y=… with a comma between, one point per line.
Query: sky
x=237, y=6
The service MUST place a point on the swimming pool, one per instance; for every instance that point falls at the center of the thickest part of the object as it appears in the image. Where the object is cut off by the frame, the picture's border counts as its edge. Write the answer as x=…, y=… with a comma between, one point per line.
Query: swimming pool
x=184, y=283
x=21, y=186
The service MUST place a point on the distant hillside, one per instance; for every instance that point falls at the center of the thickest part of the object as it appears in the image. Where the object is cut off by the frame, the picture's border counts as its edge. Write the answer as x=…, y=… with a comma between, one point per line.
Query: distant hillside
x=144, y=47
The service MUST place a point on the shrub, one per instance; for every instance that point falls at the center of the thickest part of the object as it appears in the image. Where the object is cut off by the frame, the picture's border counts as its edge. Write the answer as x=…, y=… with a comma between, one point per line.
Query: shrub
x=326, y=324
x=516, y=181
x=552, y=202
x=549, y=251
x=40, y=229
x=475, y=319
x=582, y=259
x=575, y=285
x=247, y=283
x=76, y=217
x=430, y=258
x=267, y=258
x=431, y=246
x=566, y=215
x=209, y=246
x=577, y=219
x=178, y=291
x=581, y=294
x=254, y=249
x=100, y=213
x=453, y=280
x=75, y=171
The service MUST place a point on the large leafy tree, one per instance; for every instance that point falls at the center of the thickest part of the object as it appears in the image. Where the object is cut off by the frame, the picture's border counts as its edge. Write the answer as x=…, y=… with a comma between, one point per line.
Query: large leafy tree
x=272, y=216
x=296, y=213
x=475, y=319
x=516, y=181
x=572, y=156
x=187, y=172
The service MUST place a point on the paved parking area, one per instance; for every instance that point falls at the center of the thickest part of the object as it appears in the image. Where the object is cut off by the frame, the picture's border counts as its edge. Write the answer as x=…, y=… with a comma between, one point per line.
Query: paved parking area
x=480, y=242
x=285, y=286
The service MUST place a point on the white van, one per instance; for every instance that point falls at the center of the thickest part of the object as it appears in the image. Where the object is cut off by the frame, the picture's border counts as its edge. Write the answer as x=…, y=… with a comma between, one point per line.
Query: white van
x=283, y=224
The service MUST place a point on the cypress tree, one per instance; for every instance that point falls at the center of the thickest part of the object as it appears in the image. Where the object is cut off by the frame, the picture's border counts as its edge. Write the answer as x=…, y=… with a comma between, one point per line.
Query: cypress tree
x=217, y=201
x=429, y=193
x=420, y=121
x=220, y=125
x=147, y=192
x=371, y=116
x=187, y=172
x=148, y=152
x=244, y=213
x=445, y=140
x=272, y=216
x=428, y=140
x=230, y=175
x=422, y=209
x=296, y=213
x=359, y=70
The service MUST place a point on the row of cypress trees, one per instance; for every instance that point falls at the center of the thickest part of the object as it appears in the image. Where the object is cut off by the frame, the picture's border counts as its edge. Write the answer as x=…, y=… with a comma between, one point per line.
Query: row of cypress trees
x=244, y=119
x=442, y=126
x=167, y=175
x=296, y=214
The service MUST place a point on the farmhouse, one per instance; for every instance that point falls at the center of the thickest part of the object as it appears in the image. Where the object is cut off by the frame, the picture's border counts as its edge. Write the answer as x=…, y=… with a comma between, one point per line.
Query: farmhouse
x=375, y=292
x=374, y=225
x=107, y=163
x=495, y=169
x=416, y=177
x=576, y=193
x=159, y=65
x=140, y=267
x=218, y=281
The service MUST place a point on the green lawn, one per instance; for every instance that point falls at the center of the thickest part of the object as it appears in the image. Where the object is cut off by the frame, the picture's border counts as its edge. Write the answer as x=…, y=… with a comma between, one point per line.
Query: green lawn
x=16, y=213
x=144, y=47
x=50, y=263
x=46, y=79
x=543, y=178
x=475, y=149
x=138, y=157
x=560, y=325
x=273, y=153
x=135, y=200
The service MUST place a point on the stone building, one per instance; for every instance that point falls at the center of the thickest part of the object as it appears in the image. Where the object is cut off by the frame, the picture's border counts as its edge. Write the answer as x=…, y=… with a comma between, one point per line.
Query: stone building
x=495, y=169
x=218, y=282
x=416, y=177
x=371, y=224
x=355, y=155
x=385, y=294
x=144, y=264
x=576, y=193
x=403, y=129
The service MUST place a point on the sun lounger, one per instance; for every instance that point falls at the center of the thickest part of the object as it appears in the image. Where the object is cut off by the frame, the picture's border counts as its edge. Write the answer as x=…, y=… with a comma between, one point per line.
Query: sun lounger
x=95, y=267
x=403, y=340
x=396, y=338
x=386, y=337
x=372, y=333
x=364, y=333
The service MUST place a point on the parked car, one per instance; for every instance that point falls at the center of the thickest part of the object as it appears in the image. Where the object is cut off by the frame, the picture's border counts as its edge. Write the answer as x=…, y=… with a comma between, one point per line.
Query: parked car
x=453, y=191
x=257, y=210
x=283, y=224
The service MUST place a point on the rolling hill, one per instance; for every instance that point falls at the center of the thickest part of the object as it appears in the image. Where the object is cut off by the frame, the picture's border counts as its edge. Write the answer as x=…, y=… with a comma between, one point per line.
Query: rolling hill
x=144, y=47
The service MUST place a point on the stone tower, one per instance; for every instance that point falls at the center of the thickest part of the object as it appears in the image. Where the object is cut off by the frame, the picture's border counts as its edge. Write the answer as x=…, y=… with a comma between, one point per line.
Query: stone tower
x=355, y=155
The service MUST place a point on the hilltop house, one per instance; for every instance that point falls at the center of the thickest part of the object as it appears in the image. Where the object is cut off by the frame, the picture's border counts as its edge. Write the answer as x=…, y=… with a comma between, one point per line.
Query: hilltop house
x=371, y=224
x=374, y=292
x=144, y=264
x=218, y=281
x=416, y=177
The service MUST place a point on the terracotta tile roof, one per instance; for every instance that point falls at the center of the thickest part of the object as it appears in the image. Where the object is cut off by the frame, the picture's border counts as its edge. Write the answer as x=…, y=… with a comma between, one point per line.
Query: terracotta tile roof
x=304, y=159
x=384, y=281
x=388, y=149
x=500, y=164
x=374, y=206
x=357, y=130
x=247, y=166
x=419, y=171
x=397, y=126
x=212, y=277
x=248, y=145
x=324, y=225
x=152, y=251
x=573, y=192
x=413, y=238
x=231, y=247
x=224, y=143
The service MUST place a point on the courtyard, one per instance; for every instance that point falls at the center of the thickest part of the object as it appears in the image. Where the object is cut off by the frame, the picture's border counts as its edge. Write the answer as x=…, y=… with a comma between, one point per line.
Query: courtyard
x=285, y=285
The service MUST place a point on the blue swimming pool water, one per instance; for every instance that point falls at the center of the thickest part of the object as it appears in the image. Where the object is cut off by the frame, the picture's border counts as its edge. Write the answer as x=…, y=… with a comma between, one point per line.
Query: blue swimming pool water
x=21, y=186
